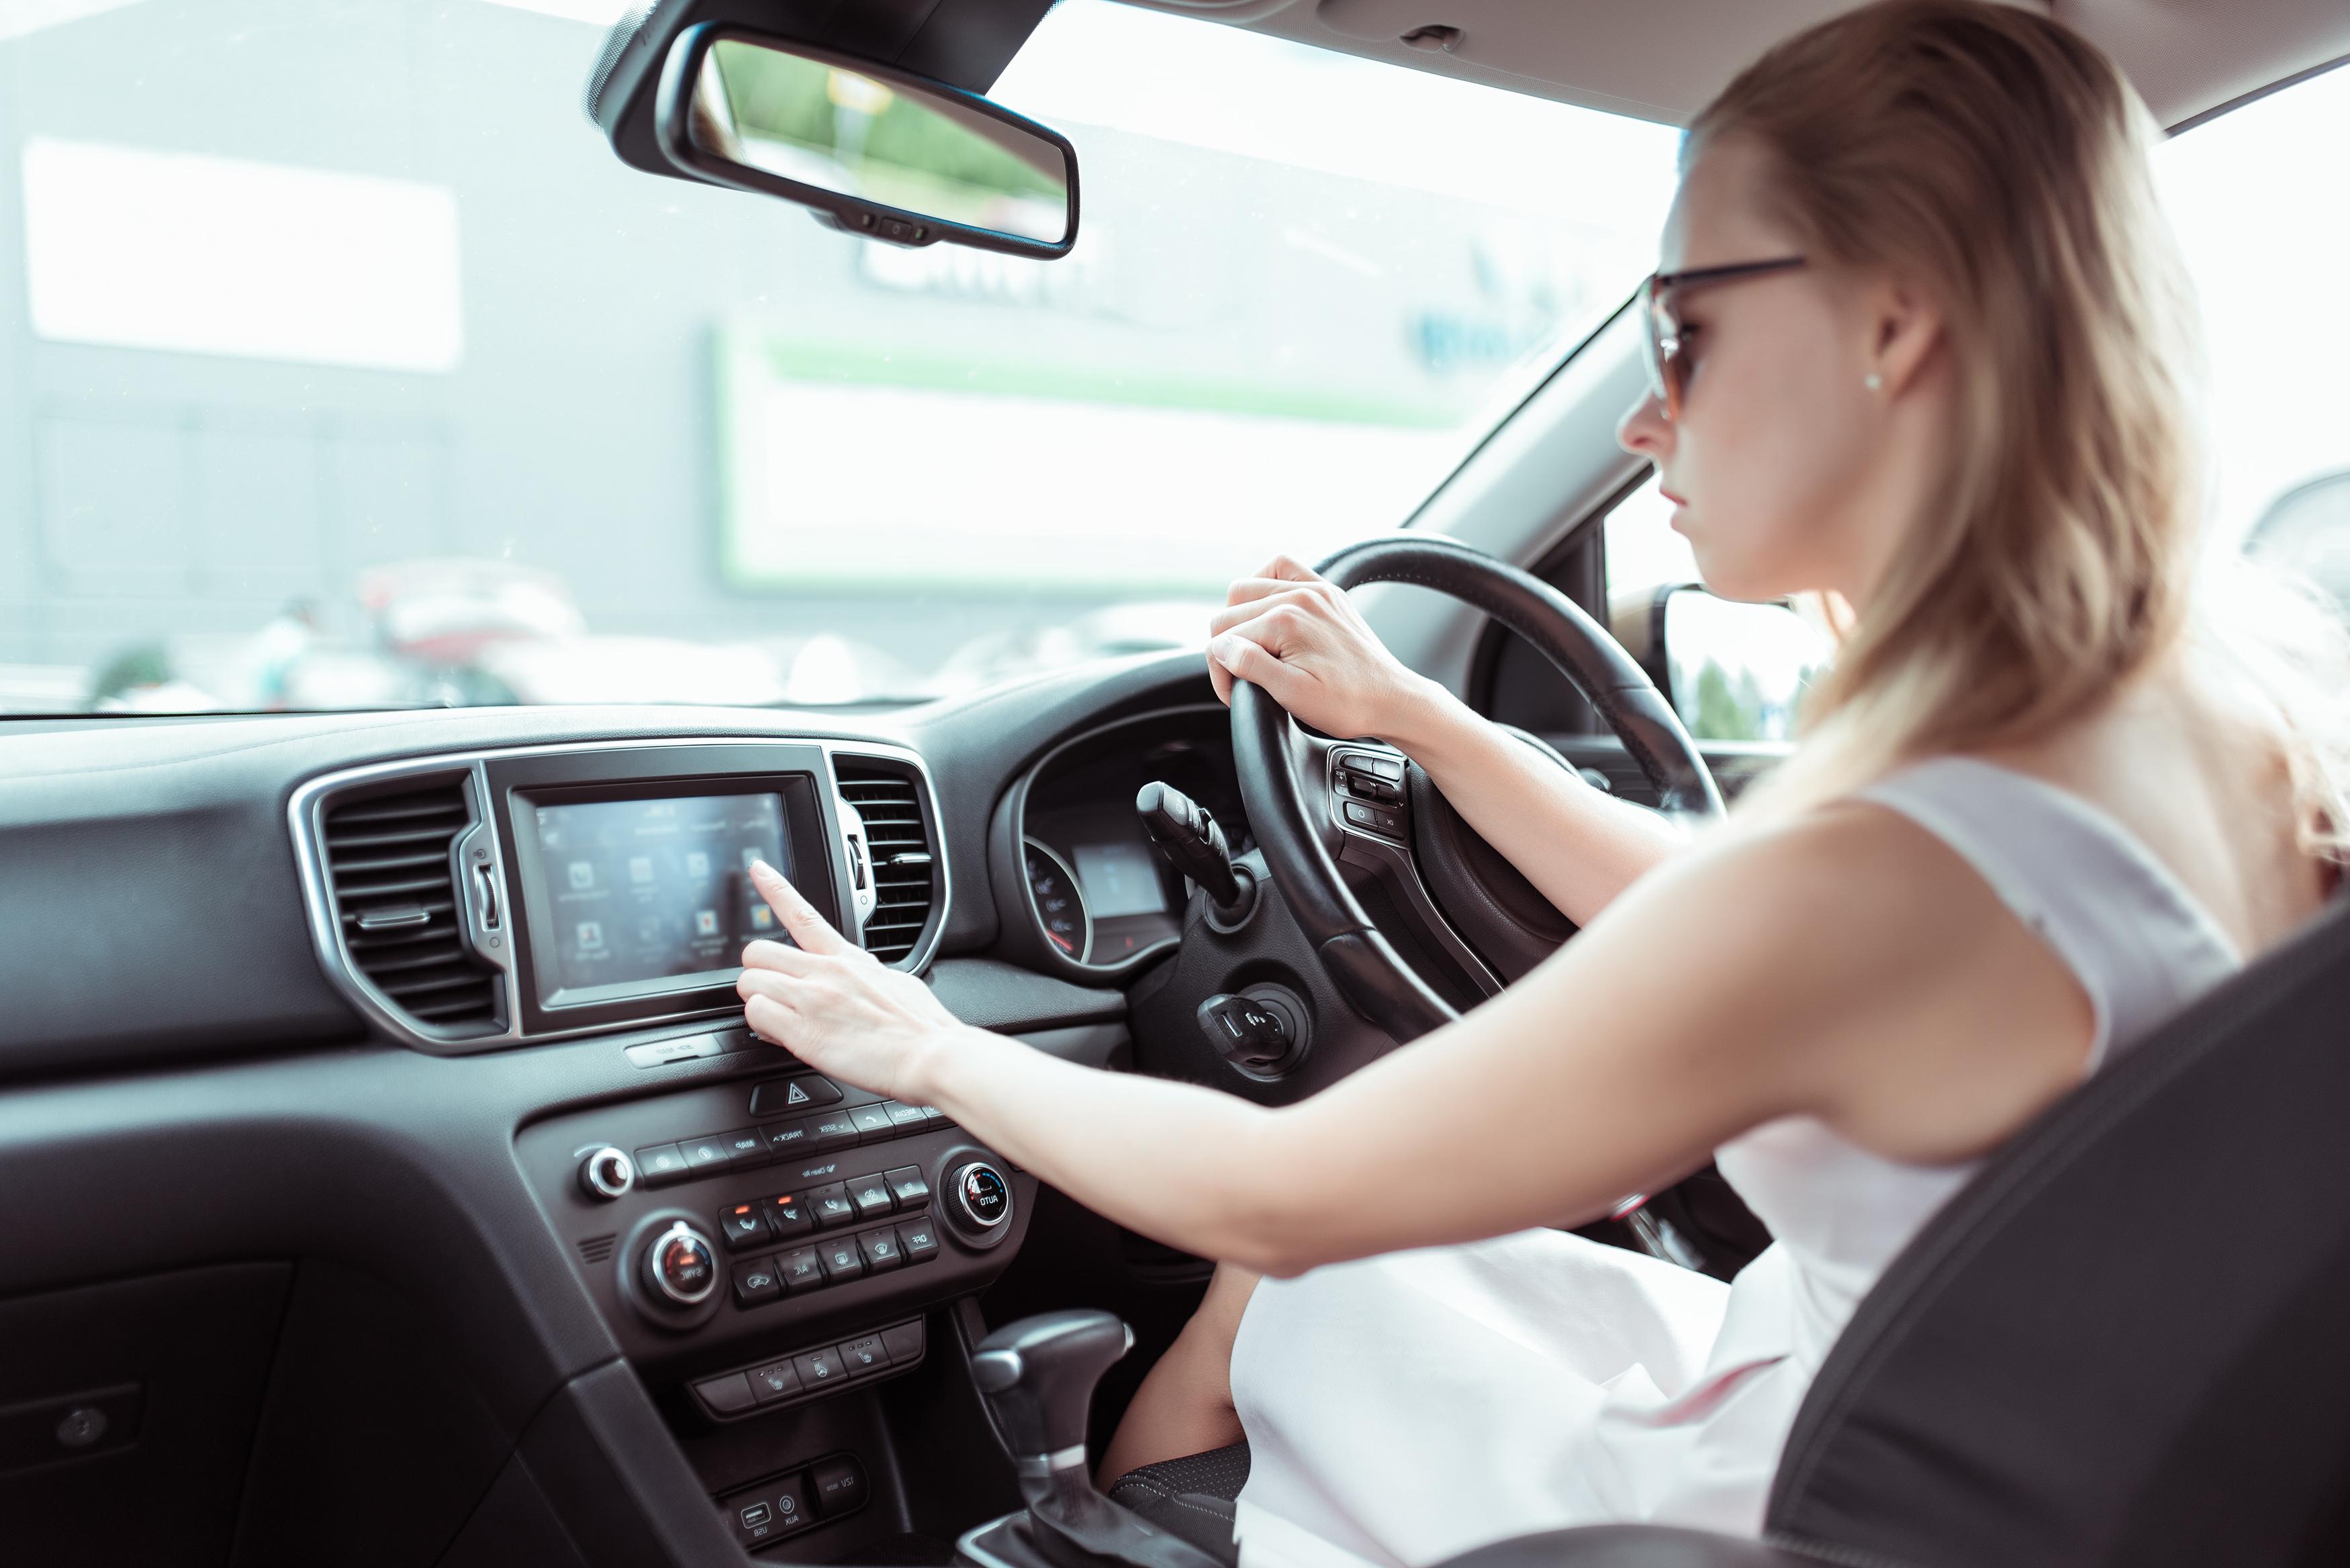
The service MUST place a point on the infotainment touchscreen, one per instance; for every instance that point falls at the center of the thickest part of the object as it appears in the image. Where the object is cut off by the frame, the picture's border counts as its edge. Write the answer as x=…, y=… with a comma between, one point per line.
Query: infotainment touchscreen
x=645, y=890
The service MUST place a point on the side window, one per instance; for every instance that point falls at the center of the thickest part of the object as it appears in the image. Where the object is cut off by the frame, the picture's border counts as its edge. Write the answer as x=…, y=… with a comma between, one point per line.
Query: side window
x=2267, y=239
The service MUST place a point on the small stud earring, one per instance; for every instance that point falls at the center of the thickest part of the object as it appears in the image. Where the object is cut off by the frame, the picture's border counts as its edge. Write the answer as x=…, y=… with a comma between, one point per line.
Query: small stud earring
x=1874, y=383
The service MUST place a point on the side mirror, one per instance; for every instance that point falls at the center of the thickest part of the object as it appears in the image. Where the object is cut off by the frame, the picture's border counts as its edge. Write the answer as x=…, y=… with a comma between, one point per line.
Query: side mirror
x=873, y=151
x=1734, y=671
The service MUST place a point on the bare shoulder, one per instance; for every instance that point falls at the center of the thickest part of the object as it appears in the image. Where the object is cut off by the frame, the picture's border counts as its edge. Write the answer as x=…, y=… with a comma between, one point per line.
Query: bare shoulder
x=1890, y=989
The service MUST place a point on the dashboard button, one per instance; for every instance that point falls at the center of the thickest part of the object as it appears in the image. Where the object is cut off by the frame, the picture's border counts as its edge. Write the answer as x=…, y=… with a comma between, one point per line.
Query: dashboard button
x=791, y=1502
x=872, y=1121
x=830, y=1205
x=864, y=1355
x=904, y=1117
x=871, y=1196
x=746, y=1146
x=786, y=1139
x=787, y=1216
x=706, y=1154
x=882, y=1250
x=920, y=1241
x=726, y=1394
x=777, y=1380
x=843, y=1259
x=757, y=1282
x=800, y=1269
x=742, y=1227
x=661, y=1165
x=835, y=1129
x=908, y=1185
x=904, y=1343
x=800, y=1093
x=818, y=1369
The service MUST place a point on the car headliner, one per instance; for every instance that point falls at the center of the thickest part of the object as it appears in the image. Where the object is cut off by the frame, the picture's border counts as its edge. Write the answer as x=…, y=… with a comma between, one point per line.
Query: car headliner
x=1663, y=59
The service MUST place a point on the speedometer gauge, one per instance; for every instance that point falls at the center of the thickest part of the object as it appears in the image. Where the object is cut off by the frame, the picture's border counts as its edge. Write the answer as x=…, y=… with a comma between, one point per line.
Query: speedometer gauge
x=1060, y=906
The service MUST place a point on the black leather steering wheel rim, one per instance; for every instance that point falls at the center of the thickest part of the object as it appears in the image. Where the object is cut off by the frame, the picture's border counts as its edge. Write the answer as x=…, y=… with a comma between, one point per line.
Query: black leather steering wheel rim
x=1360, y=960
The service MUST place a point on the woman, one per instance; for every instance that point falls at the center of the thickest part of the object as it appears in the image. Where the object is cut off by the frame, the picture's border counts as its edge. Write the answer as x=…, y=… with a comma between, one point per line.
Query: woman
x=1920, y=346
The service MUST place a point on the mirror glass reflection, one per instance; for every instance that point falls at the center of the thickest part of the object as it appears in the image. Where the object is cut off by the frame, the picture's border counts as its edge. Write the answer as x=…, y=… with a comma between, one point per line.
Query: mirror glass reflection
x=841, y=130
x=1739, y=669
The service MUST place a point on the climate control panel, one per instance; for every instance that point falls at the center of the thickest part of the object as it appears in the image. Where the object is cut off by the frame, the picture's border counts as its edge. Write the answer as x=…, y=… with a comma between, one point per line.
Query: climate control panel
x=817, y=1211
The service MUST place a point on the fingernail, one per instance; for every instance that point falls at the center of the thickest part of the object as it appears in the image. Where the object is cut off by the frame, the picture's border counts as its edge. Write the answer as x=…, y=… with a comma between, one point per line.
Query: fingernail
x=757, y=865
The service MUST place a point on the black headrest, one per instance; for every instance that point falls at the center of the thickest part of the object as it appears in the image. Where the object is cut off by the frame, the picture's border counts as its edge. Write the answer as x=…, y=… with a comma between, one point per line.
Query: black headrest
x=2128, y=1341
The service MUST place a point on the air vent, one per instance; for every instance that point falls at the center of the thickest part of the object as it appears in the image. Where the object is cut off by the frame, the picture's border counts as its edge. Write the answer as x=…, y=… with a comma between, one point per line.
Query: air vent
x=905, y=861
x=597, y=1249
x=388, y=861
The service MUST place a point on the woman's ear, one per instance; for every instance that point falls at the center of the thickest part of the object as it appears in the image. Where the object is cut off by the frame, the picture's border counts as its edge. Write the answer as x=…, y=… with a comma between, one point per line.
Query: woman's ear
x=1905, y=327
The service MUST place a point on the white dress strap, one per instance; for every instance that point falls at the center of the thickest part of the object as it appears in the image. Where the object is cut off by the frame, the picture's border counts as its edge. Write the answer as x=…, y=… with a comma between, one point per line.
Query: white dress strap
x=2139, y=942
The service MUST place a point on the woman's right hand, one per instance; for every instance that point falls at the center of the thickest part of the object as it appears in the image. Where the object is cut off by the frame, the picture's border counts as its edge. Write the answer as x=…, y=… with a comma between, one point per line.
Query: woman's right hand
x=1299, y=636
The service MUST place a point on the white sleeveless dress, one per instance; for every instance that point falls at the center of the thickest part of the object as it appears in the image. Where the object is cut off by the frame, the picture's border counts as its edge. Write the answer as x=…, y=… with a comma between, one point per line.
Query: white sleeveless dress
x=1404, y=1409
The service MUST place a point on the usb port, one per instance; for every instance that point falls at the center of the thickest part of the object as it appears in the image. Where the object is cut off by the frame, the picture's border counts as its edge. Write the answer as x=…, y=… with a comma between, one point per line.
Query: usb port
x=757, y=1514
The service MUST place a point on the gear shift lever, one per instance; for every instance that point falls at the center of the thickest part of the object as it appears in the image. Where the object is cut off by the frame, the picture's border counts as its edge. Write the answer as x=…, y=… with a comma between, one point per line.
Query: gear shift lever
x=1038, y=1377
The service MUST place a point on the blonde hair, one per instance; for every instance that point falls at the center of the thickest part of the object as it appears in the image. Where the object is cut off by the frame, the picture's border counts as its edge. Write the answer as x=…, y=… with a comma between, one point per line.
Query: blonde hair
x=1997, y=160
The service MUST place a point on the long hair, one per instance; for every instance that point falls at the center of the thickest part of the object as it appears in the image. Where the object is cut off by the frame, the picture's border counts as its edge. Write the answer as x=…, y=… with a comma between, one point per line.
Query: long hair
x=1997, y=160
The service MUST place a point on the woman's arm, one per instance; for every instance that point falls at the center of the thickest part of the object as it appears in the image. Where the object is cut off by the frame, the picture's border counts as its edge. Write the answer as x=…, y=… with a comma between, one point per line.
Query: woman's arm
x=1300, y=638
x=1850, y=968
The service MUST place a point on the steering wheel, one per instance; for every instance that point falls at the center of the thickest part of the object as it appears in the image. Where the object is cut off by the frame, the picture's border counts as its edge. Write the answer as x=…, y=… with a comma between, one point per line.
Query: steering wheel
x=1305, y=794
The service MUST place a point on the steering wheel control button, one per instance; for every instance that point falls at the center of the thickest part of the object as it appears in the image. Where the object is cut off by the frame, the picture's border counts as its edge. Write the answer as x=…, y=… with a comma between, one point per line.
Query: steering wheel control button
x=786, y=1216
x=681, y=1267
x=728, y=1396
x=800, y=1270
x=818, y=1369
x=607, y=1173
x=661, y=1165
x=908, y=1185
x=1379, y=818
x=774, y=1097
x=742, y=1227
x=843, y=1259
x=776, y=1380
x=871, y=1196
x=979, y=1199
x=920, y=1241
x=882, y=1251
x=757, y=1283
x=830, y=1205
x=872, y=1122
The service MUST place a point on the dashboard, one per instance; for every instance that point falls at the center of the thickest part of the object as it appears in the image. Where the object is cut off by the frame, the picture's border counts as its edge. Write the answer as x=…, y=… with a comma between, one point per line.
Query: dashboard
x=443, y=1001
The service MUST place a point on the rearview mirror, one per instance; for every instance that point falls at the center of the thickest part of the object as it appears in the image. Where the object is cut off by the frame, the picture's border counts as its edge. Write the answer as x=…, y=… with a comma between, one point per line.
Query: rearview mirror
x=873, y=151
x=1736, y=670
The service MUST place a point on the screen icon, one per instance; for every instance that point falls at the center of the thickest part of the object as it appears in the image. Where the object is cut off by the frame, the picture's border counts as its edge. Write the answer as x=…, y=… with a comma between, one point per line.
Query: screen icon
x=640, y=868
x=697, y=864
x=763, y=918
x=591, y=936
x=705, y=922
x=751, y=856
x=583, y=874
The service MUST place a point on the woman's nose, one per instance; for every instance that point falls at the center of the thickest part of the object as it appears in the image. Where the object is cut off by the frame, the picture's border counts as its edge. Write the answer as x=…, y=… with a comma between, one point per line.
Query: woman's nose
x=1644, y=430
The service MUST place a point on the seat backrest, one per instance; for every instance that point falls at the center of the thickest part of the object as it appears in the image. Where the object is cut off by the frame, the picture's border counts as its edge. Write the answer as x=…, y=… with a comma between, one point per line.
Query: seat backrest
x=2128, y=1341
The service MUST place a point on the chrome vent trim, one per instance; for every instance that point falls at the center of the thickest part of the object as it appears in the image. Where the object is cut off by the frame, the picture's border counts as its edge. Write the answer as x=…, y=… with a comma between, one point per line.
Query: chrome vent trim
x=393, y=888
x=892, y=792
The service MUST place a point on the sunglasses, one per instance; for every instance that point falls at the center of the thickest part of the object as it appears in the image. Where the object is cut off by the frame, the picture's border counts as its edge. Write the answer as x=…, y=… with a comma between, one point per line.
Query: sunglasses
x=1668, y=359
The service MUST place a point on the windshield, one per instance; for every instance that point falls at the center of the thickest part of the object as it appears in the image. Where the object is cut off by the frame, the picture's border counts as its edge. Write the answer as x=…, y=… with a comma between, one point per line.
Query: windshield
x=355, y=371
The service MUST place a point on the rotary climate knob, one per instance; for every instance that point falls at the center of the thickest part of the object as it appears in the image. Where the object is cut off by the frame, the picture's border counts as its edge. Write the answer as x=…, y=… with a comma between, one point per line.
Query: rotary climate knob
x=682, y=1266
x=979, y=1199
